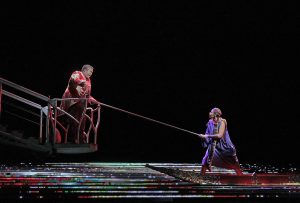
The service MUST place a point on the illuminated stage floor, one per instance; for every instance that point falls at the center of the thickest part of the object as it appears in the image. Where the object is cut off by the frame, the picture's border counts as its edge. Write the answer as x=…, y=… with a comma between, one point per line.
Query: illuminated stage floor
x=142, y=181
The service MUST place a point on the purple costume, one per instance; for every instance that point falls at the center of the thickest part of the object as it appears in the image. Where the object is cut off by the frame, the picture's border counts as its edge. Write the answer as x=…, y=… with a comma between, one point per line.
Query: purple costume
x=220, y=152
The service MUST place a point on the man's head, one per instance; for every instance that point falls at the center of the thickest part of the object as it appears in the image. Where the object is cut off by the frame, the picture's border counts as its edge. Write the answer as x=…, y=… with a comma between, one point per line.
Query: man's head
x=87, y=70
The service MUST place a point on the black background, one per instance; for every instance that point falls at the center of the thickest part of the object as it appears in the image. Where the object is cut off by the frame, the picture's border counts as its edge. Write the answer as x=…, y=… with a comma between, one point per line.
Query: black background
x=168, y=60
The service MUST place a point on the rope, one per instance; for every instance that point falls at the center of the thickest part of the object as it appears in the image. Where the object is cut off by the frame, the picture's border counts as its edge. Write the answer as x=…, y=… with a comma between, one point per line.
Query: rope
x=149, y=119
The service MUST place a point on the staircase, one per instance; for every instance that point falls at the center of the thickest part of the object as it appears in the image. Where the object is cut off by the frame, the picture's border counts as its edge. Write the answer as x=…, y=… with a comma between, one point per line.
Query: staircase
x=36, y=114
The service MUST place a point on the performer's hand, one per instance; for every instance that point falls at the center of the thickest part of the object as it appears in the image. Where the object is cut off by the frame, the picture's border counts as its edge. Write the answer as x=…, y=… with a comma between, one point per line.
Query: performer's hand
x=201, y=136
x=80, y=90
x=82, y=84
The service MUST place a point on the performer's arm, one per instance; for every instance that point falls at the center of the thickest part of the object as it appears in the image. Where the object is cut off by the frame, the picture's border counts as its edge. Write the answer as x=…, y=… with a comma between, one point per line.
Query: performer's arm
x=92, y=100
x=218, y=135
x=75, y=84
x=77, y=79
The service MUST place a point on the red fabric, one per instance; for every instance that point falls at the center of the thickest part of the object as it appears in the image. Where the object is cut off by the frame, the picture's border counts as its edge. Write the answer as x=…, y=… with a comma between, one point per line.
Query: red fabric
x=58, y=136
x=73, y=107
x=77, y=79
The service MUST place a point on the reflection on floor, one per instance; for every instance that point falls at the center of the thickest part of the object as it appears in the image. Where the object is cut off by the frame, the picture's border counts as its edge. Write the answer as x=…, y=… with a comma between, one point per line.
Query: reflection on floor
x=143, y=180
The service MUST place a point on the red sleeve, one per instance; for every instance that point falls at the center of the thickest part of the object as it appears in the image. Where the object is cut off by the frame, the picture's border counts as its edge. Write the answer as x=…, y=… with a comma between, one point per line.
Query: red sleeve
x=77, y=77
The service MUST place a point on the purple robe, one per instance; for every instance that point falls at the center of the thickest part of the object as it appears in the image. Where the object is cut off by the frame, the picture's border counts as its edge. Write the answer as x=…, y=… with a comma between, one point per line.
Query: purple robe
x=220, y=152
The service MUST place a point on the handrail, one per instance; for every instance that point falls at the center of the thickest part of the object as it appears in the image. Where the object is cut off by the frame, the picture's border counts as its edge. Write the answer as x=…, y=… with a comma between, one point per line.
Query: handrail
x=92, y=125
x=23, y=89
x=26, y=101
x=21, y=99
x=59, y=109
x=51, y=103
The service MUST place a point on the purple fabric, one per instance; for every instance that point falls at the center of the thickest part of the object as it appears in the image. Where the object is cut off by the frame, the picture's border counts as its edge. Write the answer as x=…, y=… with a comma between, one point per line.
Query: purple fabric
x=224, y=154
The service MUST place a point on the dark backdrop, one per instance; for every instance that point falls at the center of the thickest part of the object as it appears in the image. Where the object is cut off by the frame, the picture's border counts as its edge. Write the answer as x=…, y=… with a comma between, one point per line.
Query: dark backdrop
x=169, y=60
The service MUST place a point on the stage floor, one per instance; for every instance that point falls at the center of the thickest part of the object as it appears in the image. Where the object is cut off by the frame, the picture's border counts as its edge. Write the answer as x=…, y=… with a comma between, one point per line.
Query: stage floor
x=143, y=181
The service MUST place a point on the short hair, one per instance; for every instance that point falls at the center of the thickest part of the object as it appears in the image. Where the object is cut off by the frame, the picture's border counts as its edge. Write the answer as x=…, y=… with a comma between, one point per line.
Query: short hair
x=216, y=111
x=86, y=66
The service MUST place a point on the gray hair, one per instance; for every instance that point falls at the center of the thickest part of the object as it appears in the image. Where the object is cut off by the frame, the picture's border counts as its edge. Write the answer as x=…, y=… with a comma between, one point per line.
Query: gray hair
x=86, y=66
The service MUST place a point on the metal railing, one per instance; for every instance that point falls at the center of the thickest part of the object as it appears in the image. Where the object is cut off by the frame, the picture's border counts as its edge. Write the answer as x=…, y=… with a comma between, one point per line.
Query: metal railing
x=52, y=105
x=88, y=113
x=15, y=86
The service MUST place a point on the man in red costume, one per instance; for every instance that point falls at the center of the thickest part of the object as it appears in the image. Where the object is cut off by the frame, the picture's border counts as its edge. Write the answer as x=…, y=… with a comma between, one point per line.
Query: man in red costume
x=79, y=86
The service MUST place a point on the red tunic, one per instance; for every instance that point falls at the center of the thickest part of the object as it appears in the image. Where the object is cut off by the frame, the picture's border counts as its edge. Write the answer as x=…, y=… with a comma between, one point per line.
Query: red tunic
x=78, y=87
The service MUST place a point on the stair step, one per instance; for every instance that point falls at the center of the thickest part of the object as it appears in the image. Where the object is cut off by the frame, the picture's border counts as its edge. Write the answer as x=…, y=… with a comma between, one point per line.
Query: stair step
x=70, y=148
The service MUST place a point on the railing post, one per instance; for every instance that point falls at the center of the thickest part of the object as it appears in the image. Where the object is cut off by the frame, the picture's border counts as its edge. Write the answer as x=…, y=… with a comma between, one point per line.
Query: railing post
x=0, y=98
x=55, y=117
x=47, y=122
x=81, y=119
x=97, y=125
x=41, y=125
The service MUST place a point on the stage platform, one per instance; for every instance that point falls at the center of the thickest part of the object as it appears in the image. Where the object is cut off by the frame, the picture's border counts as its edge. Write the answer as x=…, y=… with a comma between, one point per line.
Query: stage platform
x=144, y=182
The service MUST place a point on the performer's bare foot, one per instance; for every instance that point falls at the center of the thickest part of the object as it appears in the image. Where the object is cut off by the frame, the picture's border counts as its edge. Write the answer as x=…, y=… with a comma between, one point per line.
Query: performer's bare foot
x=203, y=170
x=238, y=172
